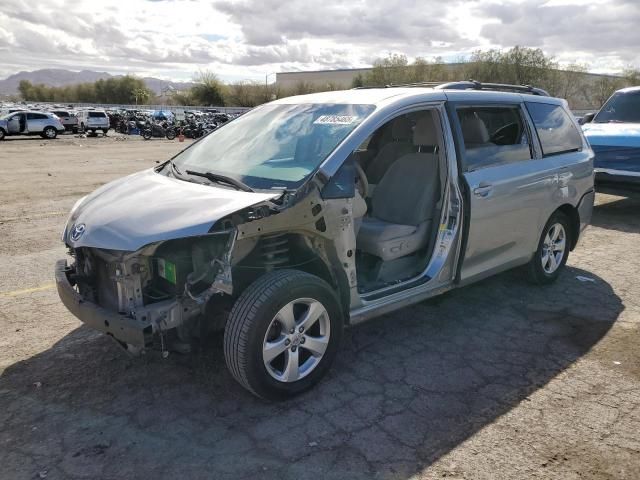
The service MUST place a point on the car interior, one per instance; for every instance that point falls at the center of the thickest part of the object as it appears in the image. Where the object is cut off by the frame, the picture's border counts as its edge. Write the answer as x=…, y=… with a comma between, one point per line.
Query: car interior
x=18, y=123
x=403, y=163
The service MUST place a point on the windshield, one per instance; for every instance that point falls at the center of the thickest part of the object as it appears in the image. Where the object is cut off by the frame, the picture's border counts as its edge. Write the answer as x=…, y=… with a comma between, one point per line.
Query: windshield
x=274, y=146
x=621, y=107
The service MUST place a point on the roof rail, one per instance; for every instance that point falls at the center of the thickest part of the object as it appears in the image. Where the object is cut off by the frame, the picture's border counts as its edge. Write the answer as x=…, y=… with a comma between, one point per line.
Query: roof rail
x=497, y=87
x=471, y=85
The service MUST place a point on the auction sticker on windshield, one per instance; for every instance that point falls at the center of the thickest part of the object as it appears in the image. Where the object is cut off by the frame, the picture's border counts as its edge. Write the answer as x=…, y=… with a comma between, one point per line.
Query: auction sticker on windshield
x=335, y=120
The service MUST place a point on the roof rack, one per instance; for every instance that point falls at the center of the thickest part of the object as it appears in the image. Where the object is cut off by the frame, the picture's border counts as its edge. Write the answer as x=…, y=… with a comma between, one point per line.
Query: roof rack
x=472, y=85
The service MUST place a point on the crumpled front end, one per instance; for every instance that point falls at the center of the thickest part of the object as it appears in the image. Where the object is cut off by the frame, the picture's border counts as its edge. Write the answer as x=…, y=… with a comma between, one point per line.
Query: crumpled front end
x=140, y=297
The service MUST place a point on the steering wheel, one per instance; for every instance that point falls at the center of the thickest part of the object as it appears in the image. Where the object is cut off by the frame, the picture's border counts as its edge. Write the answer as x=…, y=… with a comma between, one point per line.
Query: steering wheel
x=362, y=184
x=506, y=135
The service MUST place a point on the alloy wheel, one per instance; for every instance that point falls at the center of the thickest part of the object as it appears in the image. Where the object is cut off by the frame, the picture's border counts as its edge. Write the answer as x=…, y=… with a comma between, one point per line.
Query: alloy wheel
x=553, y=248
x=296, y=340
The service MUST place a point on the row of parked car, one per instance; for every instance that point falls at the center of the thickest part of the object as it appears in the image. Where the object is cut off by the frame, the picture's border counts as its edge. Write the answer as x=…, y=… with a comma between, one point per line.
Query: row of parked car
x=17, y=120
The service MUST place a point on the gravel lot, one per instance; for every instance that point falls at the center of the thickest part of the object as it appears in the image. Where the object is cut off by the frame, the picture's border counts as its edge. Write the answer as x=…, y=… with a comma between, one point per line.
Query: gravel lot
x=496, y=380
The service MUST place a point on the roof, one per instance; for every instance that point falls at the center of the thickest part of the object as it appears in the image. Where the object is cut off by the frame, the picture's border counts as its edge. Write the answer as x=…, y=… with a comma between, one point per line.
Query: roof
x=629, y=89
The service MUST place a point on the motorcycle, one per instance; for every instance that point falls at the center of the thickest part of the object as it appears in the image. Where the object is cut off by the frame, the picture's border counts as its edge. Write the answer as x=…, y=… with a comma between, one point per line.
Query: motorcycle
x=156, y=130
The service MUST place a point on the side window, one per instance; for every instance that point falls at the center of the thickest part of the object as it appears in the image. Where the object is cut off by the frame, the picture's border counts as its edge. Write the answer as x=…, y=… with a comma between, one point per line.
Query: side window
x=556, y=131
x=36, y=116
x=493, y=136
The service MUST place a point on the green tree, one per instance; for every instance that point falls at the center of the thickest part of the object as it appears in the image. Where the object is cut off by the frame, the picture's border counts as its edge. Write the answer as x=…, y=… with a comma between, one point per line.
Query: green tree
x=209, y=90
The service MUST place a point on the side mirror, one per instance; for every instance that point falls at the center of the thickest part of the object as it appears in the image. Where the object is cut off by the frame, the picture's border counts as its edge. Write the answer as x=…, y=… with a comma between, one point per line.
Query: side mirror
x=587, y=118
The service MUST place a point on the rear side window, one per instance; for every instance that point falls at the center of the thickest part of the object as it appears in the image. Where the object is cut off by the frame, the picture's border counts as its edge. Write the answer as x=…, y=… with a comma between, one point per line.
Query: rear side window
x=97, y=115
x=493, y=136
x=36, y=116
x=61, y=114
x=556, y=130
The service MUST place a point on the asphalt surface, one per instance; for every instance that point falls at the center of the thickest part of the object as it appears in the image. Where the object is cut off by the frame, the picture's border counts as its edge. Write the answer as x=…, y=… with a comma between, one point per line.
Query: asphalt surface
x=496, y=380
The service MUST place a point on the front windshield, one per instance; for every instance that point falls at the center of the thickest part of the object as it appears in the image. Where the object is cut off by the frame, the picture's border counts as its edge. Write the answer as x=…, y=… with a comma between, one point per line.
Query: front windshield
x=621, y=107
x=274, y=146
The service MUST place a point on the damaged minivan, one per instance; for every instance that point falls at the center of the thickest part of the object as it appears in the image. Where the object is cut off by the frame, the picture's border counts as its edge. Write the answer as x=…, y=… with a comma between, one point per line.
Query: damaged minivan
x=312, y=213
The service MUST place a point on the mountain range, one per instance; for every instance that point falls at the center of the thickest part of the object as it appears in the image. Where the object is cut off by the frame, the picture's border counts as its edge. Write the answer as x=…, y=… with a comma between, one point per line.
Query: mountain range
x=55, y=77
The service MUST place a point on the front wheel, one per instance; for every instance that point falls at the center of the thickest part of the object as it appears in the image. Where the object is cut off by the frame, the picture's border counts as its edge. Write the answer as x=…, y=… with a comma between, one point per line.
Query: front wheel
x=146, y=134
x=283, y=333
x=553, y=250
x=171, y=134
x=2, y=134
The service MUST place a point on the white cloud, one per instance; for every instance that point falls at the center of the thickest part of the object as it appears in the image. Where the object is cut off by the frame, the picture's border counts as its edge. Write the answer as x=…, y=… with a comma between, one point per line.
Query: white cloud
x=248, y=38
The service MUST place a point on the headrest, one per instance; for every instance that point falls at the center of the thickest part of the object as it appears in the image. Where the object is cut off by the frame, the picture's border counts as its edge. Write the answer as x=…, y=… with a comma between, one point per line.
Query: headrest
x=425, y=132
x=474, y=130
x=401, y=129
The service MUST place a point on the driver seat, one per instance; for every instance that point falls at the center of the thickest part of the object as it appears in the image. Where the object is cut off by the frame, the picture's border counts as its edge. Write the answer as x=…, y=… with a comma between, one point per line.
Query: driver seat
x=404, y=202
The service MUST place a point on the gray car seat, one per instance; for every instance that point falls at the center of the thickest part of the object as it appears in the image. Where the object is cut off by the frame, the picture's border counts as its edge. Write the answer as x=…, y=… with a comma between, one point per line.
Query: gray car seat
x=400, y=145
x=404, y=202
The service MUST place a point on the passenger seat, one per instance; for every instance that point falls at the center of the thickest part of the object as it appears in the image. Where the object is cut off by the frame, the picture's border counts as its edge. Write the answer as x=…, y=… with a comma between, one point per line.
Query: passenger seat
x=400, y=145
x=404, y=202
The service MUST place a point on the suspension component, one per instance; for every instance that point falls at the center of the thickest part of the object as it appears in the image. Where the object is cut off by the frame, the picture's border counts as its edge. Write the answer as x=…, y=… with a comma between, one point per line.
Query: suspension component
x=275, y=251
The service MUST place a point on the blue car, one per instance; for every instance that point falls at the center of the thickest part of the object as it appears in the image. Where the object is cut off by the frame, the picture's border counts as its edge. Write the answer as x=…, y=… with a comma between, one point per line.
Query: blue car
x=614, y=135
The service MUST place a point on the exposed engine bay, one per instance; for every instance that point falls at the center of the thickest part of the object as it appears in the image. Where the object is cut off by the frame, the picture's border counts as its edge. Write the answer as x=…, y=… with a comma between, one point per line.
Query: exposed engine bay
x=179, y=289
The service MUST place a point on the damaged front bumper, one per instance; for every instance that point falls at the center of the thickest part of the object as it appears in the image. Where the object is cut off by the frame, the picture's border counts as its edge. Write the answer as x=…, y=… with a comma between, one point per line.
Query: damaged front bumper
x=131, y=331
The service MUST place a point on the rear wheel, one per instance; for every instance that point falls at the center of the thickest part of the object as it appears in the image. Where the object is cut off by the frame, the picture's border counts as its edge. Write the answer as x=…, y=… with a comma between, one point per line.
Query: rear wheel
x=146, y=134
x=553, y=250
x=283, y=333
x=105, y=130
x=50, y=133
x=171, y=134
x=2, y=134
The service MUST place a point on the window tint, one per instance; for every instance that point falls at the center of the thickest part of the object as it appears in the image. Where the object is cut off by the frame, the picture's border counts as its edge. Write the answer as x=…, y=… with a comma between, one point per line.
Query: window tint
x=621, y=107
x=97, y=115
x=556, y=131
x=61, y=114
x=493, y=136
x=36, y=116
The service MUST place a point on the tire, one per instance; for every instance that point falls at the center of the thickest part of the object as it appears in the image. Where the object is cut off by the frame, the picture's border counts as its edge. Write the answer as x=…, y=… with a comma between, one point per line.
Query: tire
x=146, y=134
x=545, y=267
x=82, y=128
x=74, y=130
x=171, y=134
x=255, y=321
x=49, y=133
x=2, y=134
x=104, y=131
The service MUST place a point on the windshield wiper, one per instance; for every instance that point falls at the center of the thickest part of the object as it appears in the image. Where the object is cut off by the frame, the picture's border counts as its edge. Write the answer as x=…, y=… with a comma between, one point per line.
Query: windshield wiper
x=175, y=167
x=216, y=177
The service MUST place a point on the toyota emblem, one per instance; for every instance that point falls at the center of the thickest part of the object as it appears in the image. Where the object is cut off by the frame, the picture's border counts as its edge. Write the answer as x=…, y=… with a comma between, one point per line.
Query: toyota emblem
x=77, y=231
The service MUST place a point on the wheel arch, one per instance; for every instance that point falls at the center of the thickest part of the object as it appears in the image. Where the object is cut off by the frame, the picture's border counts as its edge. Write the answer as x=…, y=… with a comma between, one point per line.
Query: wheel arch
x=303, y=255
x=572, y=214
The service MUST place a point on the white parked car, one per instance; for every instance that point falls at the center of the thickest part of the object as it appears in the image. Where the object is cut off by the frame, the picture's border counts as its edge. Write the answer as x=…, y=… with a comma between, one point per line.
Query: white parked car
x=93, y=120
x=45, y=124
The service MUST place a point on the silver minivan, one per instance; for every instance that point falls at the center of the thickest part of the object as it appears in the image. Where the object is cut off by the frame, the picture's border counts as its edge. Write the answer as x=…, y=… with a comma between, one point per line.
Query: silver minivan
x=312, y=213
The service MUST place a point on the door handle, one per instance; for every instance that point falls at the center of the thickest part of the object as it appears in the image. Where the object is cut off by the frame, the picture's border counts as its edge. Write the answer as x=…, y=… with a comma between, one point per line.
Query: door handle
x=482, y=190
